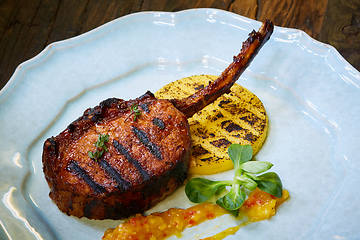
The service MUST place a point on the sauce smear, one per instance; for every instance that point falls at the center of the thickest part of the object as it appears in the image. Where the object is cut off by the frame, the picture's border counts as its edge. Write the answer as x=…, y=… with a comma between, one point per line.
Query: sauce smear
x=257, y=207
x=160, y=225
x=165, y=224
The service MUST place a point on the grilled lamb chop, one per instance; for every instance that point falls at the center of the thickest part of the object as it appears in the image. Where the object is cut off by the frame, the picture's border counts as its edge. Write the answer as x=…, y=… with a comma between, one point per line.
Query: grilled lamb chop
x=143, y=159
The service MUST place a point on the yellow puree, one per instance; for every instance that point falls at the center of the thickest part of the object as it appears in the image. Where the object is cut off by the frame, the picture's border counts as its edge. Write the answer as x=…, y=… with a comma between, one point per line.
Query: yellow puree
x=259, y=206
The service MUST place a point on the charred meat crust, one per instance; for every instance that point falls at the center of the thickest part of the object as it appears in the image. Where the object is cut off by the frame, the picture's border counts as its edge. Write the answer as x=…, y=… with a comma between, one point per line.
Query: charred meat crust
x=137, y=171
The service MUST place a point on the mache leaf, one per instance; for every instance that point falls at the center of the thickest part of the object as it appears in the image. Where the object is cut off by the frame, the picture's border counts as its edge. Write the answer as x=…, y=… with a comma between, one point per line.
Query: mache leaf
x=271, y=183
x=233, y=200
x=248, y=183
x=239, y=154
x=256, y=166
x=200, y=189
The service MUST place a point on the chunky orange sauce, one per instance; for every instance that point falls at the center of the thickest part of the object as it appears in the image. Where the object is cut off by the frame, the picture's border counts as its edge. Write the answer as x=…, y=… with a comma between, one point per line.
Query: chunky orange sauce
x=258, y=206
x=261, y=205
x=165, y=224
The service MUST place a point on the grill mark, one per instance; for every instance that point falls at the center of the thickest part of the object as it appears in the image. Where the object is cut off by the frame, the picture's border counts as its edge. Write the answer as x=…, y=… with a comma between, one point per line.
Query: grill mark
x=206, y=159
x=198, y=150
x=216, y=117
x=122, y=183
x=233, y=127
x=77, y=170
x=122, y=150
x=145, y=107
x=251, y=120
x=250, y=137
x=230, y=126
x=220, y=143
x=158, y=122
x=201, y=132
x=144, y=139
x=224, y=123
x=222, y=102
x=211, y=159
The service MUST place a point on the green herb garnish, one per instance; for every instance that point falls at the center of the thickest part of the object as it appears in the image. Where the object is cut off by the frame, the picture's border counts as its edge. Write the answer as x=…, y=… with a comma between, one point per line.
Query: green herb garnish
x=245, y=180
x=134, y=110
x=100, y=147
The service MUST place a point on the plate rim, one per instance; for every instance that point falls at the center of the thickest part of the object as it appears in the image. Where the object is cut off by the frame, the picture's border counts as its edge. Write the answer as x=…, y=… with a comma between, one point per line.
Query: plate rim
x=58, y=45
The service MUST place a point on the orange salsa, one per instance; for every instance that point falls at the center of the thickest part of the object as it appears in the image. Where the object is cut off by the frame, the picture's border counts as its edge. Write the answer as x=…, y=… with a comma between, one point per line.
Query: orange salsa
x=261, y=205
x=258, y=206
x=162, y=225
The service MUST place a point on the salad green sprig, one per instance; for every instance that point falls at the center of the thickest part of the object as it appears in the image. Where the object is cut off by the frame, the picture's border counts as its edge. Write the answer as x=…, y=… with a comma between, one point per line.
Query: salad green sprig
x=231, y=194
x=101, y=147
x=134, y=110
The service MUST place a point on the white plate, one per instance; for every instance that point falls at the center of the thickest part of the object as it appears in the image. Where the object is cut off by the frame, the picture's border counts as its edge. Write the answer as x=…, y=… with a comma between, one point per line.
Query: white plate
x=310, y=92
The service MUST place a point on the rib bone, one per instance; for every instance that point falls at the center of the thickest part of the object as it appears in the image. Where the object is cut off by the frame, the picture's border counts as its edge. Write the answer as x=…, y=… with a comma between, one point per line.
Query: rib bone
x=194, y=103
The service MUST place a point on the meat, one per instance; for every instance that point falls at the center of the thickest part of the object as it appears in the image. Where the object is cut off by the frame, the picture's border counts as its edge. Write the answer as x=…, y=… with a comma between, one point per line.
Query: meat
x=144, y=152
x=147, y=158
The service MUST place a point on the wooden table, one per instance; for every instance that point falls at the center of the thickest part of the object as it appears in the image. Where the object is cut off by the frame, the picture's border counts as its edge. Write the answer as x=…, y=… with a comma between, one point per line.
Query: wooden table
x=27, y=26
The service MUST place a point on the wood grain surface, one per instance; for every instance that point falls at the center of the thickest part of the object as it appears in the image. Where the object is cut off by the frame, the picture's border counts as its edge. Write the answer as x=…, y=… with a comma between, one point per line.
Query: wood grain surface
x=28, y=26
